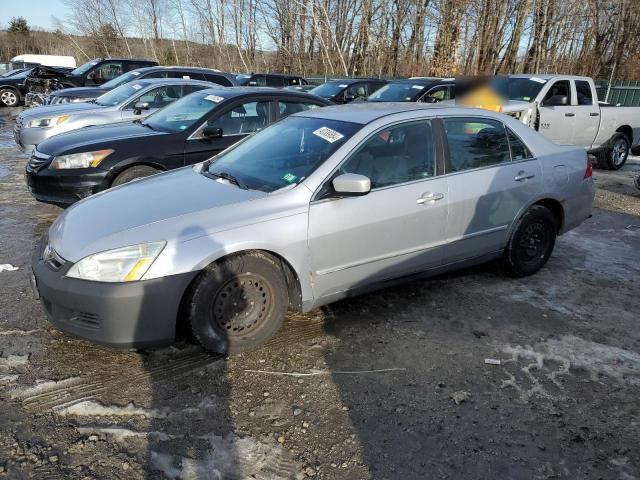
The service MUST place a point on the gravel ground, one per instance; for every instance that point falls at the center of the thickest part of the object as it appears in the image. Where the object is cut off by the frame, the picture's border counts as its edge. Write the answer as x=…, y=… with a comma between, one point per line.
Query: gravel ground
x=391, y=385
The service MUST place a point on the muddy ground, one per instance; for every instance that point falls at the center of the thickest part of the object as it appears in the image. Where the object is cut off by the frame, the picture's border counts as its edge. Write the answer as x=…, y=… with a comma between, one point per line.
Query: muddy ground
x=366, y=388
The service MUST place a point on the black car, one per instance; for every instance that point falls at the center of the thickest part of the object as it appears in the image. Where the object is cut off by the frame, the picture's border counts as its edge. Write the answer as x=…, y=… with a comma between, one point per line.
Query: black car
x=349, y=89
x=13, y=88
x=423, y=89
x=188, y=131
x=82, y=94
x=276, y=80
x=43, y=80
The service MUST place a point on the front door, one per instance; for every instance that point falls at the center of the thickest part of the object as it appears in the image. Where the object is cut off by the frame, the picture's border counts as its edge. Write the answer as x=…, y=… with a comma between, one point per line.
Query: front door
x=557, y=119
x=236, y=121
x=491, y=177
x=396, y=229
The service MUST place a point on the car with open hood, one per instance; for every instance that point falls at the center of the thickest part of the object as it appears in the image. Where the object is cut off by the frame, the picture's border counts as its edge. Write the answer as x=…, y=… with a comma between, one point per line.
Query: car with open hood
x=130, y=101
x=326, y=203
x=74, y=165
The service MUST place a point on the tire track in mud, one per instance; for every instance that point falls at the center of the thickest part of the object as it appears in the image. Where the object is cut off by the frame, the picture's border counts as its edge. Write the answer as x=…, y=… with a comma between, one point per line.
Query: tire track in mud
x=74, y=390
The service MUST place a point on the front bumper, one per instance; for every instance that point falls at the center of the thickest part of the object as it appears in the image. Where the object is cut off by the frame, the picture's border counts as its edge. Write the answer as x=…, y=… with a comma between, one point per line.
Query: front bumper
x=133, y=315
x=28, y=138
x=63, y=187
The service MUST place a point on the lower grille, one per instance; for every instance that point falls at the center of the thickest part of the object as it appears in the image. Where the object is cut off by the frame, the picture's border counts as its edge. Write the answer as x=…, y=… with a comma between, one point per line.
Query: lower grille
x=85, y=320
x=37, y=160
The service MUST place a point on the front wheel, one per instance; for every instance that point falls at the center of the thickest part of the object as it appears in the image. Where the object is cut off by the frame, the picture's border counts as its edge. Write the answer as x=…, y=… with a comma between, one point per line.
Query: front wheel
x=8, y=97
x=531, y=242
x=238, y=304
x=132, y=173
x=617, y=152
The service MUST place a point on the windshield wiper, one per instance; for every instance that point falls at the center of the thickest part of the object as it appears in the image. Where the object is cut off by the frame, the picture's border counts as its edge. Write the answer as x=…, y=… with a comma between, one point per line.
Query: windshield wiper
x=230, y=178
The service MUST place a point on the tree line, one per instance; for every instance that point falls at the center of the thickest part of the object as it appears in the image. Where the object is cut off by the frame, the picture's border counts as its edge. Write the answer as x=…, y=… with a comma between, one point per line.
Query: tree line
x=599, y=38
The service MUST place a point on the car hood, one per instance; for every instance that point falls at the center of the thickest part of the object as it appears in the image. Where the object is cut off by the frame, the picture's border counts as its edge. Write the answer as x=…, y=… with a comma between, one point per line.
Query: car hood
x=167, y=206
x=47, y=111
x=515, y=106
x=80, y=92
x=82, y=139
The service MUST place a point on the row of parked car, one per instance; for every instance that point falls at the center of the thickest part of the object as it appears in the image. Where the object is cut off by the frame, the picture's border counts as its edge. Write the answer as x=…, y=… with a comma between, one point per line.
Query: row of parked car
x=262, y=199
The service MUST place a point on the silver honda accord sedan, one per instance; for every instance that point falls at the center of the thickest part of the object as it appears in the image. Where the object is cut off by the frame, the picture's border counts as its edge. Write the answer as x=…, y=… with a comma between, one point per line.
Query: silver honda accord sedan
x=326, y=203
x=127, y=102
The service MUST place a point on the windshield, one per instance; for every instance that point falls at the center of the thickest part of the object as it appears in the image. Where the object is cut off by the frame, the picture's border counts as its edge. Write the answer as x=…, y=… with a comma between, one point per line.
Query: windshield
x=397, y=92
x=82, y=69
x=119, y=95
x=243, y=79
x=183, y=113
x=524, y=89
x=329, y=89
x=283, y=154
x=121, y=79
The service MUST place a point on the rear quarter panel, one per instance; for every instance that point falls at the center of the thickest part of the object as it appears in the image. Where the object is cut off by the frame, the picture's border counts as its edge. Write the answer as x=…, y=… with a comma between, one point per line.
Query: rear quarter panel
x=612, y=118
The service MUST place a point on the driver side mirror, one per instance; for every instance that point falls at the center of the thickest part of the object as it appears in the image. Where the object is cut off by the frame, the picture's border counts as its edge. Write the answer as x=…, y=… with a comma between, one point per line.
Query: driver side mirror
x=139, y=107
x=211, y=132
x=348, y=97
x=351, y=185
x=556, y=101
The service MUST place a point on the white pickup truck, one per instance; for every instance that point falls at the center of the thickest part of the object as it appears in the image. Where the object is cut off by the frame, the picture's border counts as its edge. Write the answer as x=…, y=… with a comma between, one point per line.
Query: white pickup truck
x=565, y=109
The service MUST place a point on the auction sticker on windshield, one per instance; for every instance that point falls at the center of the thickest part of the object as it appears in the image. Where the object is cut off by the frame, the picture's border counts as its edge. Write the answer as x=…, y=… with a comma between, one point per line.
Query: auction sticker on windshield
x=536, y=79
x=328, y=134
x=136, y=87
x=214, y=98
x=418, y=87
x=135, y=73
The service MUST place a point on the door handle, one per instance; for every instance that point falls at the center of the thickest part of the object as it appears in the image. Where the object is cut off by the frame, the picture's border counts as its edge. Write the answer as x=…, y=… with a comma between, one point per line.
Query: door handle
x=569, y=114
x=430, y=197
x=522, y=175
x=594, y=114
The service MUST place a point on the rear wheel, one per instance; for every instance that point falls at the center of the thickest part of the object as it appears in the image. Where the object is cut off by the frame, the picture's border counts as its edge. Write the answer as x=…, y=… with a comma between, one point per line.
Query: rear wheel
x=139, y=171
x=238, y=304
x=531, y=242
x=8, y=97
x=617, y=152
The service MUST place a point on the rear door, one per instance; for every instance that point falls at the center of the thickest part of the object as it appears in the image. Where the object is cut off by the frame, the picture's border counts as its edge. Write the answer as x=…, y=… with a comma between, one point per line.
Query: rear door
x=237, y=120
x=491, y=176
x=395, y=230
x=587, y=114
x=557, y=121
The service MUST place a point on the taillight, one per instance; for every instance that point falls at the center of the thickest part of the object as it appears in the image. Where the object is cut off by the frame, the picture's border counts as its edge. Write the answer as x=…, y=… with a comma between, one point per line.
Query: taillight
x=589, y=171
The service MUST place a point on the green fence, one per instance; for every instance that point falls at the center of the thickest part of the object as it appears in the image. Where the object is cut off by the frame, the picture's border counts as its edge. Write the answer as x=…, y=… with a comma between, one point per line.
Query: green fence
x=621, y=92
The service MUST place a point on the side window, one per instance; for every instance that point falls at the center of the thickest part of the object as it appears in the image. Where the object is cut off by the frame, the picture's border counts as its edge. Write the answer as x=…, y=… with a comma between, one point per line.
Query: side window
x=290, y=107
x=559, y=89
x=519, y=150
x=356, y=90
x=396, y=155
x=475, y=143
x=161, y=96
x=243, y=119
x=219, y=79
x=583, y=89
x=292, y=81
x=436, y=94
x=274, y=81
x=157, y=74
x=258, y=81
x=106, y=71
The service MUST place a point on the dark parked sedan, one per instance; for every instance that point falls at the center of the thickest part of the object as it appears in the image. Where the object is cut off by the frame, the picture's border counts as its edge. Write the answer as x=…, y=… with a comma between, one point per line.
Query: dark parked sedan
x=82, y=94
x=349, y=89
x=188, y=131
x=423, y=89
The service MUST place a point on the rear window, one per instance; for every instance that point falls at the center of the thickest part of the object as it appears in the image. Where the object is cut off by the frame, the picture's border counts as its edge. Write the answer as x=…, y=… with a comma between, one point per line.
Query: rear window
x=476, y=143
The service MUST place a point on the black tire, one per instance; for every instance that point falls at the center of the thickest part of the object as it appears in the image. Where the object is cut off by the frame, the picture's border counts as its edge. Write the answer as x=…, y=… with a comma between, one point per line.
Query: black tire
x=9, y=97
x=531, y=242
x=139, y=171
x=616, y=153
x=238, y=304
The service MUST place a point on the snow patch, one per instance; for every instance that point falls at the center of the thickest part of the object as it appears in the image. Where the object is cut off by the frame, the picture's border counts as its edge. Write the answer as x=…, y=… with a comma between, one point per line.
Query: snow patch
x=121, y=435
x=44, y=386
x=13, y=361
x=90, y=408
x=5, y=379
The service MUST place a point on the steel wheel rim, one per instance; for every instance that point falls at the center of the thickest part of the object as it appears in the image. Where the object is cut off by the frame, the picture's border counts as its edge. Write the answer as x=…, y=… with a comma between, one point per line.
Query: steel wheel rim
x=619, y=152
x=533, y=243
x=8, y=98
x=241, y=305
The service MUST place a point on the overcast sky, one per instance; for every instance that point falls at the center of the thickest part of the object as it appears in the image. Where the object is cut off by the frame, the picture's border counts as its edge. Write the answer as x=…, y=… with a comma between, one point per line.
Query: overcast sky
x=38, y=13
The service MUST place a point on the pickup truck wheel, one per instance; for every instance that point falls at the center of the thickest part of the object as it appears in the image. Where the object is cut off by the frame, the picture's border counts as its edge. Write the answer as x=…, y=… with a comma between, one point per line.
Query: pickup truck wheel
x=8, y=97
x=238, y=304
x=531, y=242
x=617, y=152
x=139, y=171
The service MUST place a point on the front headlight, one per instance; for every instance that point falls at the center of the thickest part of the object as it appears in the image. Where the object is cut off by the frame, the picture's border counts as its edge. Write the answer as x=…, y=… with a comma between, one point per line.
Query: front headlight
x=126, y=264
x=80, y=160
x=48, y=122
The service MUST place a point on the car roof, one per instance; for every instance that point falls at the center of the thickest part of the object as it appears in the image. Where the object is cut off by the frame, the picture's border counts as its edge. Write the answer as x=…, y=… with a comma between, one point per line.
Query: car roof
x=355, y=80
x=423, y=81
x=170, y=81
x=364, y=113
x=102, y=59
x=547, y=76
x=160, y=68
x=233, y=92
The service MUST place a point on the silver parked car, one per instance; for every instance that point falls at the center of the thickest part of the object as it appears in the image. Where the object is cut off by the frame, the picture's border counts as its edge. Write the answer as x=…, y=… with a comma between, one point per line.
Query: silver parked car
x=127, y=102
x=325, y=203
